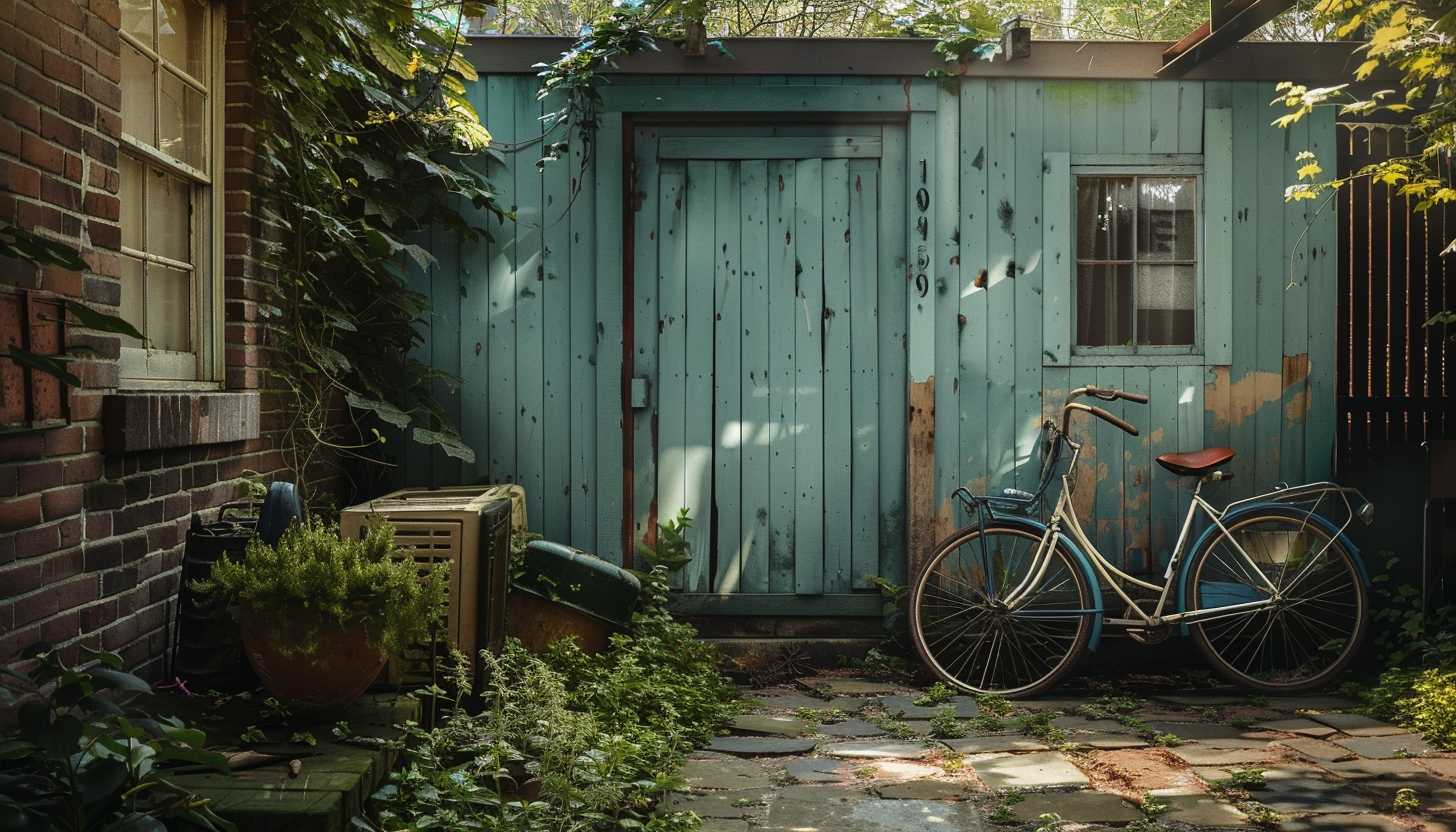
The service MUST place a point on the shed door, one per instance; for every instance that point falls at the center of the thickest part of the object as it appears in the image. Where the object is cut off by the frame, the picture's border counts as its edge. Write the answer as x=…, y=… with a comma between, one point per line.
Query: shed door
x=775, y=403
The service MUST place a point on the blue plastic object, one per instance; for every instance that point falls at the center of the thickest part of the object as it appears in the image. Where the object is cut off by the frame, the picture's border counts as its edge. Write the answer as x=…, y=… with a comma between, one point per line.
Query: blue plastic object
x=279, y=511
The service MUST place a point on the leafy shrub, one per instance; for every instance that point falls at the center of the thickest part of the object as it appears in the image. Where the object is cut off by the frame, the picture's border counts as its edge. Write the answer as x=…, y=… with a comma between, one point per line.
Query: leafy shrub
x=79, y=762
x=567, y=741
x=945, y=726
x=369, y=579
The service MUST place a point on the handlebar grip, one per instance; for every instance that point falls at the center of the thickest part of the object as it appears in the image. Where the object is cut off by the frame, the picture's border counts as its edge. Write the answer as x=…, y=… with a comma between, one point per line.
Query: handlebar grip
x=1109, y=418
x=1139, y=398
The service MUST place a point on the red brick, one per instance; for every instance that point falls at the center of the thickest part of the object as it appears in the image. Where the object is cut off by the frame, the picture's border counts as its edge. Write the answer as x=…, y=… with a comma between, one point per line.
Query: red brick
x=22, y=47
x=63, y=282
x=36, y=542
x=85, y=469
x=19, y=179
x=60, y=193
x=105, y=206
x=61, y=566
x=98, y=526
x=39, y=152
x=23, y=112
x=71, y=532
x=64, y=441
x=106, y=236
x=61, y=502
x=63, y=69
x=104, y=91
x=35, y=607
x=102, y=292
x=20, y=513
x=100, y=148
x=37, y=86
x=108, y=124
x=21, y=447
x=109, y=11
x=40, y=476
x=37, y=24
x=67, y=12
x=62, y=628
x=9, y=139
x=85, y=405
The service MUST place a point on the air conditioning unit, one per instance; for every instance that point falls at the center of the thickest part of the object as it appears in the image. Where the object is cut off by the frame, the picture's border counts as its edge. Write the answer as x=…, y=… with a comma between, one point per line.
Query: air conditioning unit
x=469, y=528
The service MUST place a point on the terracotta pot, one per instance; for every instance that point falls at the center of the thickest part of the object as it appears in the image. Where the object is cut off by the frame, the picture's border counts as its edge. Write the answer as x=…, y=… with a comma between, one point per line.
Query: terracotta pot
x=320, y=683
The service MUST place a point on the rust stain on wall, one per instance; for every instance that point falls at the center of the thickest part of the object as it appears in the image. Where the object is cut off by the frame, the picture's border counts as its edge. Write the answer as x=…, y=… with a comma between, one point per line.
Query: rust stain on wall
x=922, y=512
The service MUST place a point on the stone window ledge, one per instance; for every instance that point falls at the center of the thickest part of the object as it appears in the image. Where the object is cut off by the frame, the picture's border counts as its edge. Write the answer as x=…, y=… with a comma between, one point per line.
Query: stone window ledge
x=155, y=420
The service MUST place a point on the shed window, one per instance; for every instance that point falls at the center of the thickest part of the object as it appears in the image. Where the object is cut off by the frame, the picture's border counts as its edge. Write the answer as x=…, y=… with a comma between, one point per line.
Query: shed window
x=1137, y=261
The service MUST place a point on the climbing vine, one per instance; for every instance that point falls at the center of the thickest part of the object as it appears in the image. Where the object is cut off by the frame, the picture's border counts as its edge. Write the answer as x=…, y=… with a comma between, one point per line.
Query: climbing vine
x=363, y=138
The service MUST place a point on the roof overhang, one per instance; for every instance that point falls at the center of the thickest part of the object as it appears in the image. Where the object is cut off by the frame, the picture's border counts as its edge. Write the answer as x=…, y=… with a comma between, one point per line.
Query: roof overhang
x=1308, y=63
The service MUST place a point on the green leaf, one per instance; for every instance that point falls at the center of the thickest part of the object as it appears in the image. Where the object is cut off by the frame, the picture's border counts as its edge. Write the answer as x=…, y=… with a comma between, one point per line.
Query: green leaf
x=450, y=444
x=50, y=365
x=25, y=245
x=91, y=319
x=107, y=677
x=384, y=410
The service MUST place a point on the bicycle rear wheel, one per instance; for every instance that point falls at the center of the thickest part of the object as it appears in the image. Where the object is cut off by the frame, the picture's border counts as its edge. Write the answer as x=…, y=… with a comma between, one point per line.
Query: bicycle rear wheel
x=1319, y=611
x=977, y=633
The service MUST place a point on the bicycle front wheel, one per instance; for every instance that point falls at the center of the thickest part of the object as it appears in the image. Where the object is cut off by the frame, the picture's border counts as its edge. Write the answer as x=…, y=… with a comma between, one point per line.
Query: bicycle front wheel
x=993, y=613
x=1307, y=606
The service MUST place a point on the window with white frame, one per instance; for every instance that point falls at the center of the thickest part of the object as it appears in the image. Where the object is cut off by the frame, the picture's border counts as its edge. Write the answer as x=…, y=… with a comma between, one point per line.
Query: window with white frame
x=1137, y=278
x=168, y=105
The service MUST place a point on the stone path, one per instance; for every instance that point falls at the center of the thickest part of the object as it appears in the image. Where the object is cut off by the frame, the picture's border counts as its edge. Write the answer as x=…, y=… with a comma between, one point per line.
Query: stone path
x=834, y=754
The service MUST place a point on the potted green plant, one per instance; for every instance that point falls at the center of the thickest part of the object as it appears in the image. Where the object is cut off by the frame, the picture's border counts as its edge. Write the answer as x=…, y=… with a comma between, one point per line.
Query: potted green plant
x=321, y=614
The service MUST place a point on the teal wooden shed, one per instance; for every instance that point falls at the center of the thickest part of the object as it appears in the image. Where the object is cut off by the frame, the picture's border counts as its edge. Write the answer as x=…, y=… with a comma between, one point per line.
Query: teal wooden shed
x=806, y=292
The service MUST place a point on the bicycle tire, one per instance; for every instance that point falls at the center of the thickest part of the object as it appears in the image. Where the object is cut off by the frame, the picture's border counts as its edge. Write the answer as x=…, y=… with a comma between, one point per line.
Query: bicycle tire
x=1306, y=639
x=968, y=636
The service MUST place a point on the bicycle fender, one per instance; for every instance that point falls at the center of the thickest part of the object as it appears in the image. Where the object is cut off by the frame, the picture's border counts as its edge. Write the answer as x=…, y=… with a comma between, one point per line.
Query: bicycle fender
x=1032, y=526
x=1234, y=516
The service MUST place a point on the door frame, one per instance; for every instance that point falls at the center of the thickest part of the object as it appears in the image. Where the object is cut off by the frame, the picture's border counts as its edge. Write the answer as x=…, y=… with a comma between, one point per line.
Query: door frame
x=913, y=104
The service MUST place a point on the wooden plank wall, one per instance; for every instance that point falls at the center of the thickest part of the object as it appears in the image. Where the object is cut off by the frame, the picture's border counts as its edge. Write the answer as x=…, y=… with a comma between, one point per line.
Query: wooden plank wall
x=536, y=332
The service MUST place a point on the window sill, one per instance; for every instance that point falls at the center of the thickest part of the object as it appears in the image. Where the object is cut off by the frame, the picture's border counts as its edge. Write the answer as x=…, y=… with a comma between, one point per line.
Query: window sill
x=157, y=419
x=1138, y=359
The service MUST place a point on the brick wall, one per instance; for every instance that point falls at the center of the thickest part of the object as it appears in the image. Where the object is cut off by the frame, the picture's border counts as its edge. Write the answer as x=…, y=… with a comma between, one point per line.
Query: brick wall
x=91, y=540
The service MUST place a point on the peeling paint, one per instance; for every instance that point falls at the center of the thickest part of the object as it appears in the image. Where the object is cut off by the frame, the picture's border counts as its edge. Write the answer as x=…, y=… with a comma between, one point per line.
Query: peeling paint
x=1245, y=396
x=1297, y=410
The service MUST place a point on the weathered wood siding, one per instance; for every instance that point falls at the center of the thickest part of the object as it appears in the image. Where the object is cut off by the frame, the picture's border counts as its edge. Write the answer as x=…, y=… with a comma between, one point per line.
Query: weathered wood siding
x=534, y=322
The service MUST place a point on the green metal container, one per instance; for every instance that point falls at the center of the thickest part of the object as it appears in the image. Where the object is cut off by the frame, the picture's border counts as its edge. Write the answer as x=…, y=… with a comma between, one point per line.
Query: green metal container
x=568, y=592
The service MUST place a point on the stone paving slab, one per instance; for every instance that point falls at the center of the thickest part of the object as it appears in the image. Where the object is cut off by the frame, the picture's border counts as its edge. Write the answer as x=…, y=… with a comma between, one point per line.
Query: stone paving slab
x=1200, y=730
x=1318, y=750
x=733, y=803
x=785, y=699
x=1077, y=807
x=1357, y=725
x=1310, y=794
x=1201, y=810
x=762, y=746
x=842, y=685
x=895, y=749
x=1038, y=770
x=784, y=726
x=836, y=808
x=1204, y=698
x=994, y=742
x=818, y=770
x=730, y=773
x=1100, y=726
x=725, y=825
x=1320, y=702
x=1386, y=747
x=851, y=728
x=922, y=790
x=1345, y=823
x=1201, y=755
x=1301, y=726
x=904, y=707
x=1108, y=742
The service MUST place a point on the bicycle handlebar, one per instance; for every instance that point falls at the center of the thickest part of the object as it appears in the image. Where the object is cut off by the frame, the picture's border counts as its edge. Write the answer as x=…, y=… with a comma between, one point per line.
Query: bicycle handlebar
x=1095, y=411
x=1105, y=394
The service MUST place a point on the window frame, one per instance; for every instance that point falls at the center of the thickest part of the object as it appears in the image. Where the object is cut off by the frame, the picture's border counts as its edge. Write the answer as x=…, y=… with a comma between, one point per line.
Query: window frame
x=1146, y=353
x=143, y=367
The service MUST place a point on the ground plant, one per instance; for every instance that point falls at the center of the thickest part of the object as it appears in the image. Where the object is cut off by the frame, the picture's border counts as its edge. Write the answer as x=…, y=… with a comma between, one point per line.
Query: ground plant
x=945, y=726
x=566, y=741
x=77, y=761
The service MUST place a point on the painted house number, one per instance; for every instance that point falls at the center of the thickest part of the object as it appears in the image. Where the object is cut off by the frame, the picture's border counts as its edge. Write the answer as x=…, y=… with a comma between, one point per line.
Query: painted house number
x=922, y=228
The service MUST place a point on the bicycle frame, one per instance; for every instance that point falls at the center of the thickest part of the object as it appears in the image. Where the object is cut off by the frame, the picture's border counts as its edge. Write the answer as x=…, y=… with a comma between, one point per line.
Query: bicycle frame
x=1064, y=522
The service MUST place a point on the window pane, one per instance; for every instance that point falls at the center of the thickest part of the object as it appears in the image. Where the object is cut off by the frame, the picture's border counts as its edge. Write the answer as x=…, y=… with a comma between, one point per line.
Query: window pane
x=1167, y=224
x=1104, y=305
x=138, y=95
x=1105, y=211
x=133, y=298
x=169, y=308
x=182, y=36
x=133, y=212
x=1167, y=298
x=136, y=20
x=169, y=214
x=180, y=123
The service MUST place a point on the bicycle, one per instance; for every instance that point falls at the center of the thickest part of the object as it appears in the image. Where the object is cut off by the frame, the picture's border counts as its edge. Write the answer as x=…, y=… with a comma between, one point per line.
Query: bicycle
x=1273, y=593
